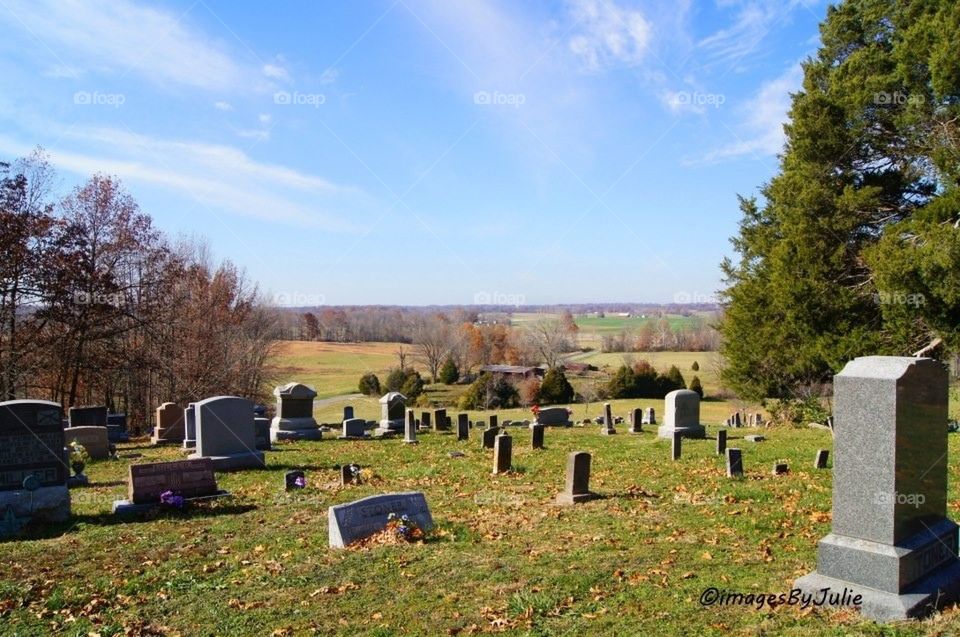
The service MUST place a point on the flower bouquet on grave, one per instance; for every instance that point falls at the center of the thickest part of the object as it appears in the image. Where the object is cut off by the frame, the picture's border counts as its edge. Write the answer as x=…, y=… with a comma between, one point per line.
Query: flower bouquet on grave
x=78, y=457
x=300, y=482
x=172, y=500
x=404, y=528
x=536, y=410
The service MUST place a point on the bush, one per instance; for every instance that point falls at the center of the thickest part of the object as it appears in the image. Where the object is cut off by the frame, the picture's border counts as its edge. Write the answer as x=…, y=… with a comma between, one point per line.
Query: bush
x=797, y=412
x=529, y=390
x=675, y=378
x=642, y=381
x=695, y=367
x=696, y=386
x=369, y=384
x=396, y=378
x=449, y=374
x=555, y=389
x=489, y=392
x=412, y=385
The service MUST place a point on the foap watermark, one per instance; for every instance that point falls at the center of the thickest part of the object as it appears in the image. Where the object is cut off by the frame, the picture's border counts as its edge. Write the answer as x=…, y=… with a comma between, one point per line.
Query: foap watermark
x=683, y=297
x=900, y=298
x=296, y=98
x=298, y=299
x=81, y=297
x=499, y=298
x=496, y=98
x=96, y=98
x=897, y=98
x=698, y=99
x=916, y=500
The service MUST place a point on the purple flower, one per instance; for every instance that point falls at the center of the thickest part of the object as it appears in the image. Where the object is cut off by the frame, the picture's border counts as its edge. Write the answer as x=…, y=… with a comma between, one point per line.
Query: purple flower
x=300, y=482
x=169, y=498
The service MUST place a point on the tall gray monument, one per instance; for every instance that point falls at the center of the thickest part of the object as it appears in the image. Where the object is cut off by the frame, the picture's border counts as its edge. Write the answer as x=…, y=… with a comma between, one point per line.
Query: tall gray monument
x=681, y=414
x=294, y=419
x=891, y=542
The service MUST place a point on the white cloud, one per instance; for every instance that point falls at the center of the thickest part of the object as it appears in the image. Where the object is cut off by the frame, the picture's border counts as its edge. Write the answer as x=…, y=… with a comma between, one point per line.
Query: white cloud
x=120, y=38
x=218, y=178
x=223, y=106
x=264, y=118
x=276, y=72
x=608, y=35
x=761, y=131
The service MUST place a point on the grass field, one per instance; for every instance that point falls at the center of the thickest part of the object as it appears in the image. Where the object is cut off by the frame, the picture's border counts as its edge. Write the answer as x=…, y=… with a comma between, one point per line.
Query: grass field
x=333, y=369
x=593, y=328
x=503, y=559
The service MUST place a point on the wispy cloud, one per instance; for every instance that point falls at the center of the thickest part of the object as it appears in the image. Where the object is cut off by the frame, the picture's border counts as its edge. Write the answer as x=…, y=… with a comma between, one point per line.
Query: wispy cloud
x=216, y=177
x=119, y=38
x=608, y=35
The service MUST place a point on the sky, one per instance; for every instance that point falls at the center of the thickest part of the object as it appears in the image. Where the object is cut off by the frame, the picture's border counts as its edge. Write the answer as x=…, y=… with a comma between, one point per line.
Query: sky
x=416, y=152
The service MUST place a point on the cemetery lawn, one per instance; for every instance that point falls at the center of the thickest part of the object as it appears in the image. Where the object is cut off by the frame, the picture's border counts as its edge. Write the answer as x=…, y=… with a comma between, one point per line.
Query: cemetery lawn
x=503, y=559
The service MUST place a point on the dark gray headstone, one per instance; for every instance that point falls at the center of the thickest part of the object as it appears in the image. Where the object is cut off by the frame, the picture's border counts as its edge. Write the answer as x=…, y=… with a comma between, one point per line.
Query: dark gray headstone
x=463, y=427
x=426, y=420
x=577, y=487
x=440, y=422
x=291, y=479
x=820, y=460
x=675, y=445
x=650, y=416
x=492, y=422
x=721, y=442
x=354, y=428
x=502, y=453
x=558, y=416
x=607, y=429
x=891, y=540
x=636, y=421
x=780, y=468
x=734, y=463
x=489, y=436
x=347, y=412
x=261, y=430
x=359, y=519
x=410, y=429
x=536, y=436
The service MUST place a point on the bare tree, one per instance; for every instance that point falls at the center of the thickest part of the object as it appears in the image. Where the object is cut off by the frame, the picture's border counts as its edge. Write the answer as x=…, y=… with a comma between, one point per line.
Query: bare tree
x=550, y=339
x=433, y=340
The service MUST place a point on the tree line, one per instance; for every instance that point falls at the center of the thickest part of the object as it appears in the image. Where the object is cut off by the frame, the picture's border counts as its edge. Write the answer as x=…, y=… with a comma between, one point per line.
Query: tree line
x=97, y=306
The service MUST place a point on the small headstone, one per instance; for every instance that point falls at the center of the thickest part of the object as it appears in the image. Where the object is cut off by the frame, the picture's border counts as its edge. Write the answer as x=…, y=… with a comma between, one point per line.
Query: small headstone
x=347, y=412
x=261, y=430
x=636, y=421
x=359, y=519
x=650, y=416
x=820, y=460
x=463, y=427
x=354, y=428
x=502, y=453
x=780, y=468
x=607, y=429
x=410, y=429
x=721, y=441
x=117, y=428
x=168, y=425
x=349, y=474
x=891, y=543
x=188, y=479
x=293, y=480
x=93, y=439
x=440, y=422
x=226, y=433
x=734, y=463
x=754, y=438
x=536, y=436
x=492, y=422
x=294, y=419
x=675, y=445
x=577, y=487
x=88, y=416
x=425, y=420
x=553, y=416
x=489, y=436
x=455, y=454
x=682, y=413
x=759, y=420
x=190, y=427
x=736, y=419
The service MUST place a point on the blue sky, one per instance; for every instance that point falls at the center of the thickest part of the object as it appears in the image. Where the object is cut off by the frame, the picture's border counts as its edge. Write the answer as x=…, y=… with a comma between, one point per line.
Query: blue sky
x=420, y=151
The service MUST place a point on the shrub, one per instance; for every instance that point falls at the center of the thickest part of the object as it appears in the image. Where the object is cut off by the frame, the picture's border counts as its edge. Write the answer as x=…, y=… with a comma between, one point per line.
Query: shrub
x=396, y=378
x=696, y=386
x=555, y=388
x=412, y=385
x=695, y=367
x=675, y=378
x=369, y=384
x=449, y=374
x=529, y=390
x=489, y=392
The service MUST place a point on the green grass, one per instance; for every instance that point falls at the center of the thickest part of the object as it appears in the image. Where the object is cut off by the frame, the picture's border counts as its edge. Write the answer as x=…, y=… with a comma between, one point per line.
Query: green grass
x=333, y=369
x=504, y=559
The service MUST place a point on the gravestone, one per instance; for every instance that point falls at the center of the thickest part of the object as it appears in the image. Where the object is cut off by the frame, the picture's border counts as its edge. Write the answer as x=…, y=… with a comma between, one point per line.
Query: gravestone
x=890, y=541
x=33, y=470
x=536, y=436
x=190, y=426
x=356, y=520
x=489, y=437
x=650, y=416
x=225, y=433
x=189, y=479
x=502, y=453
x=392, y=410
x=780, y=468
x=410, y=429
x=294, y=479
x=734, y=463
x=754, y=438
x=463, y=427
x=425, y=420
x=636, y=421
x=553, y=417
x=736, y=419
x=682, y=413
x=261, y=430
x=117, y=428
x=354, y=428
x=347, y=412
x=349, y=474
x=93, y=439
x=675, y=445
x=820, y=460
x=721, y=441
x=577, y=487
x=168, y=425
x=607, y=428
x=294, y=419
x=440, y=422
x=88, y=416
x=492, y=423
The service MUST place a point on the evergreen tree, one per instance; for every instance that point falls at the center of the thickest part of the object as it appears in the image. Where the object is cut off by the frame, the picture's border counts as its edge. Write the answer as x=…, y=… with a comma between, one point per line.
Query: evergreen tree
x=675, y=379
x=412, y=385
x=449, y=374
x=696, y=386
x=863, y=210
x=369, y=384
x=396, y=378
x=555, y=389
x=695, y=367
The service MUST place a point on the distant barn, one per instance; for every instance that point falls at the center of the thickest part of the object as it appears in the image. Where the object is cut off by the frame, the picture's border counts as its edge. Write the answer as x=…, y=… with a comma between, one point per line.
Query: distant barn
x=515, y=372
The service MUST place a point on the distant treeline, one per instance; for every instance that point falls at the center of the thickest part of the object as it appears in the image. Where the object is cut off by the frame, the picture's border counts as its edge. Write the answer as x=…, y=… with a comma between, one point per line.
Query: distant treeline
x=694, y=335
x=99, y=307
